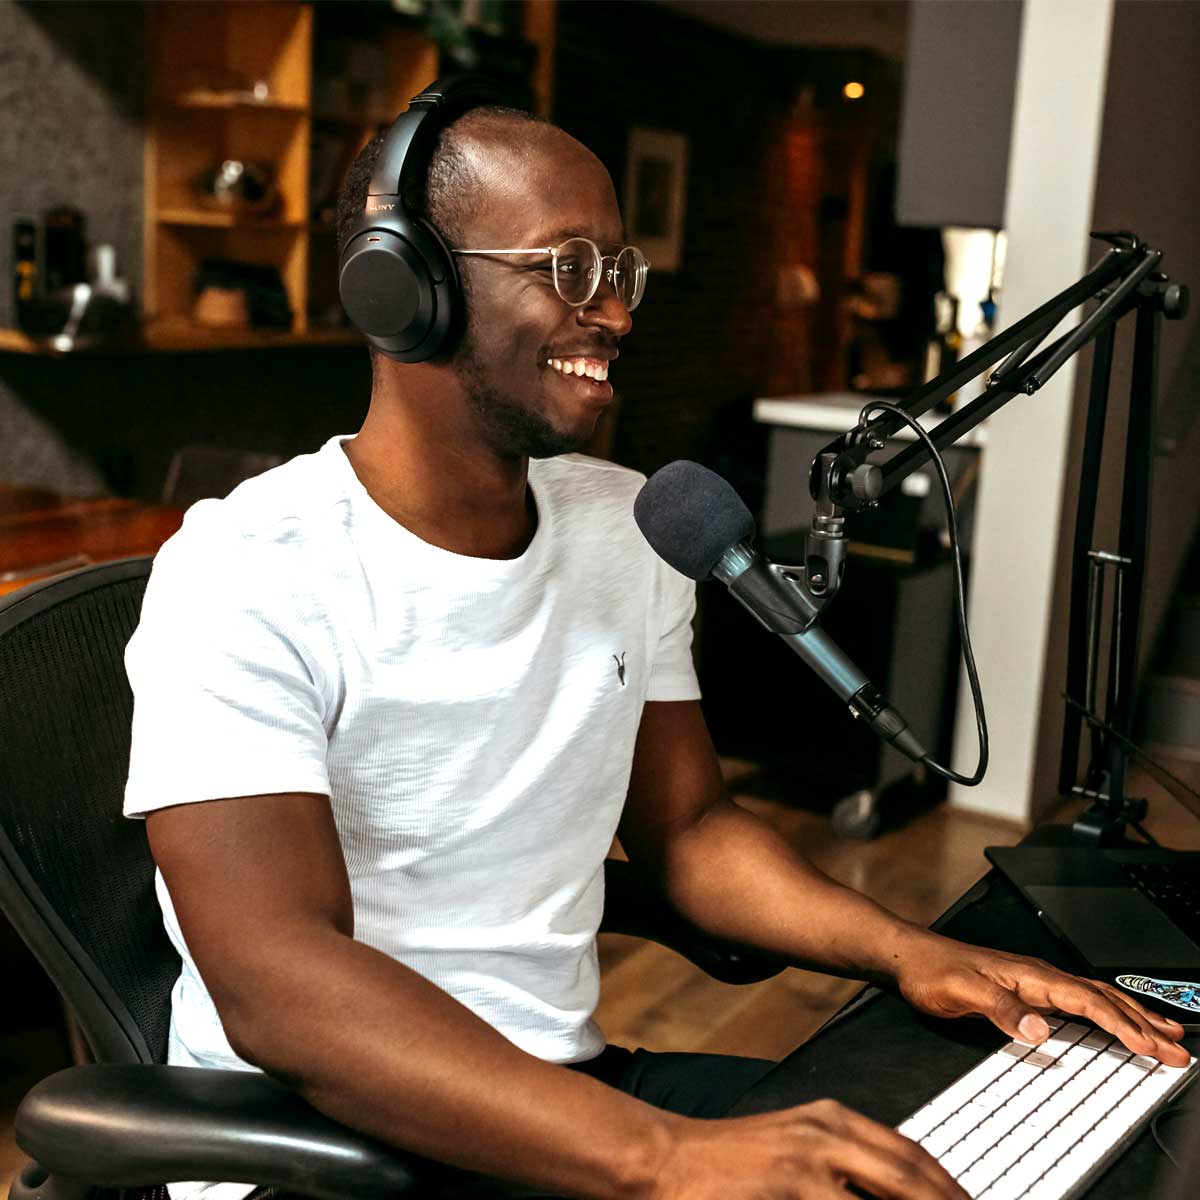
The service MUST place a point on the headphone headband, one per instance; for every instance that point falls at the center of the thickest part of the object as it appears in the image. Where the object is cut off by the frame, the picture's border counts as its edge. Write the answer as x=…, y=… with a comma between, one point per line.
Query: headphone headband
x=405, y=153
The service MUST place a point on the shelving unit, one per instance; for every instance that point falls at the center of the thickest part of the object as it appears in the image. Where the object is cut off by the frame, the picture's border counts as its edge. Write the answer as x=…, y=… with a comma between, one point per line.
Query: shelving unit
x=227, y=80
x=292, y=86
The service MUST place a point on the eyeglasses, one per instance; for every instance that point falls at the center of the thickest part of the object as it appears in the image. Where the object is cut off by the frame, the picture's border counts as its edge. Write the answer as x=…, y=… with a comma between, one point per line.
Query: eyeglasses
x=578, y=267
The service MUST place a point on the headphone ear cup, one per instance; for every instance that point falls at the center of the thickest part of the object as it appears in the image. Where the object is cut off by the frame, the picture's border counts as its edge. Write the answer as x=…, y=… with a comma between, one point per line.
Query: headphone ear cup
x=398, y=284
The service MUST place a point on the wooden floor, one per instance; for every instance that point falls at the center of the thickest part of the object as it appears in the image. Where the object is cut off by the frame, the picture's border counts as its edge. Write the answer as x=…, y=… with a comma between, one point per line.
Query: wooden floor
x=654, y=998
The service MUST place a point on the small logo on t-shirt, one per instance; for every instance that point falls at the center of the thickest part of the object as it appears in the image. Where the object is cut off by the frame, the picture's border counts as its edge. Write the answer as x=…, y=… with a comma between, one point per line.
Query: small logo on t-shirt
x=620, y=667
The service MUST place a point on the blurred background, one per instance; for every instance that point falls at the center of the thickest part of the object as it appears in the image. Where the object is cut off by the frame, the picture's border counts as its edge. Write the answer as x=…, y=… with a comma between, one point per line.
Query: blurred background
x=825, y=188
x=839, y=198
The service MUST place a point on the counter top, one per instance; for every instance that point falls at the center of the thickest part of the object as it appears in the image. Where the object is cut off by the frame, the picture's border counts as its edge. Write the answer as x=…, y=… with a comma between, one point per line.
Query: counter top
x=838, y=411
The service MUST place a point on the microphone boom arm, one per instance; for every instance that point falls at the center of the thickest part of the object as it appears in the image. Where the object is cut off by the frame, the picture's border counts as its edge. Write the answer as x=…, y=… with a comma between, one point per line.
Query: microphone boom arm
x=1125, y=280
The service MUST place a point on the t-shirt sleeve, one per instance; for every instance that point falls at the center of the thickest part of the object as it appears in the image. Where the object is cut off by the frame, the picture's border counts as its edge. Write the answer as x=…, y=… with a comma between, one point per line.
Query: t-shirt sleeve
x=228, y=697
x=674, y=674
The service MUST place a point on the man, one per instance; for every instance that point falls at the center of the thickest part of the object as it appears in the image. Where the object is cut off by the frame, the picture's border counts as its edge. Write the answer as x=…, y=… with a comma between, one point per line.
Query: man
x=392, y=700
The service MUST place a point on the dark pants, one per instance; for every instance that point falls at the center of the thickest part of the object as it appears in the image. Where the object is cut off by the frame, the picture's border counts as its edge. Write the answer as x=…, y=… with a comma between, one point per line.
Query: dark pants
x=692, y=1085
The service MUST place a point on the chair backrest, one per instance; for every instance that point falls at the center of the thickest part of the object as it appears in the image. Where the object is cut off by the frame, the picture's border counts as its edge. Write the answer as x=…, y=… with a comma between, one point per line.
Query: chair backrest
x=211, y=473
x=76, y=877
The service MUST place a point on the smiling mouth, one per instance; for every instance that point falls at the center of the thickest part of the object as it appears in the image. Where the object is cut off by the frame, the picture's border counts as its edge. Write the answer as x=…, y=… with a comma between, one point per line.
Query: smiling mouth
x=595, y=369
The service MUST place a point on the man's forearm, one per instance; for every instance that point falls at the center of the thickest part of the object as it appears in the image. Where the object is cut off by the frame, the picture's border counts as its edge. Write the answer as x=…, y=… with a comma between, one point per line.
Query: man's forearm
x=732, y=875
x=377, y=1047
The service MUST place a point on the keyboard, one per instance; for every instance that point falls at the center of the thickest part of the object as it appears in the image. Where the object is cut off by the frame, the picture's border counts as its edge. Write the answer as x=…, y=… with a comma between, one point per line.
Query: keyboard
x=1175, y=888
x=1042, y=1122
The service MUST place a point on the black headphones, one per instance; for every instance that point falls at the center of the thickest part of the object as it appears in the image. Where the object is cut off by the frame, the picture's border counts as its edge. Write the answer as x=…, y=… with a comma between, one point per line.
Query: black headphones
x=396, y=276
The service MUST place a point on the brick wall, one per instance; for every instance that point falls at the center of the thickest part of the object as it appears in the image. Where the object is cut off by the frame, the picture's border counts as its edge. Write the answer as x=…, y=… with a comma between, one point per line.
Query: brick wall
x=772, y=156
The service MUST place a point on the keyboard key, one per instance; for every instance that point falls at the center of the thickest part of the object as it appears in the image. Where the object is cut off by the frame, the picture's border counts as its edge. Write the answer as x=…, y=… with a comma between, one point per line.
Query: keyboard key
x=1062, y=1039
x=920, y=1123
x=1097, y=1040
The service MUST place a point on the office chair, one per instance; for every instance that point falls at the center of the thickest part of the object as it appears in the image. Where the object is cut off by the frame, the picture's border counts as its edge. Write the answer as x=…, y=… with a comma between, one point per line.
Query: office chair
x=77, y=883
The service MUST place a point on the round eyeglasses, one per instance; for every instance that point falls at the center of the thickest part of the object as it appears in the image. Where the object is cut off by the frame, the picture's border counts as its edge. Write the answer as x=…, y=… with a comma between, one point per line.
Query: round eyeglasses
x=578, y=267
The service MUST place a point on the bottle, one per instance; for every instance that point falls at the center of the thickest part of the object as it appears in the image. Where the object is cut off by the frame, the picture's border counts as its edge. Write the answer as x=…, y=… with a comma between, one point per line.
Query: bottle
x=25, y=270
x=943, y=349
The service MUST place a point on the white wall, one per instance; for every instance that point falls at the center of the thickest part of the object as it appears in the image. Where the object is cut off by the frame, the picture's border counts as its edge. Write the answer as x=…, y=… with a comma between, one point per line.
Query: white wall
x=1148, y=180
x=1061, y=74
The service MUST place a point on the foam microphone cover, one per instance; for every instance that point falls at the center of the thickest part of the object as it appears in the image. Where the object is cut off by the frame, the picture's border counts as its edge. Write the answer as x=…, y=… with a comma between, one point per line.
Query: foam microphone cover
x=691, y=516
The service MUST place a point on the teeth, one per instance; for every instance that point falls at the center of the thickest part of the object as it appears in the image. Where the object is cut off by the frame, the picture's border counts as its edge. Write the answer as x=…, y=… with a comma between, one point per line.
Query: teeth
x=577, y=366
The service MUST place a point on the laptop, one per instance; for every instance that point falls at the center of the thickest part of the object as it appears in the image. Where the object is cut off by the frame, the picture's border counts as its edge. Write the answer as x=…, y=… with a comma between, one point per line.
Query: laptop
x=1132, y=915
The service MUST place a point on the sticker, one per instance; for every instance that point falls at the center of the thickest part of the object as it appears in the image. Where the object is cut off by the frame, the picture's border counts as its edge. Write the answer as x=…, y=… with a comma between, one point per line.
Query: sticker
x=1174, y=991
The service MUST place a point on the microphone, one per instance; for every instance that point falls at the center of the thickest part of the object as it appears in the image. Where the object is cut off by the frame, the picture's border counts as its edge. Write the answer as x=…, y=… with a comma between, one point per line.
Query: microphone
x=698, y=524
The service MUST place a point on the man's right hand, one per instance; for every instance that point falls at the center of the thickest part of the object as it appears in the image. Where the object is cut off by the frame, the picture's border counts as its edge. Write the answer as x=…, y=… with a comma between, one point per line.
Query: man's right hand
x=810, y=1152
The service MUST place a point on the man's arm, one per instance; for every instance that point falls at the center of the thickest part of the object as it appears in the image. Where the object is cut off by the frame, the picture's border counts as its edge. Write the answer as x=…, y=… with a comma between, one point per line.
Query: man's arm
x=729, y=873
x=262, y=896
x=261, y=893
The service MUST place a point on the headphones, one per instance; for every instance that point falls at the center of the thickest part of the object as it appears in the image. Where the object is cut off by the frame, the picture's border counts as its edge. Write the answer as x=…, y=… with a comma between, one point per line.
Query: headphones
x=396, y=276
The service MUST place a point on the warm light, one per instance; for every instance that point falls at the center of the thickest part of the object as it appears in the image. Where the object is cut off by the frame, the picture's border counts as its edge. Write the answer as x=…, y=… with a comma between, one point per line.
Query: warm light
x=854, y=91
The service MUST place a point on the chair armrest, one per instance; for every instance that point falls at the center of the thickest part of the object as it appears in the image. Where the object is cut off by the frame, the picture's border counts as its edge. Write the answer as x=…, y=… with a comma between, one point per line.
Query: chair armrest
x=130, y=1125
x=634, y=906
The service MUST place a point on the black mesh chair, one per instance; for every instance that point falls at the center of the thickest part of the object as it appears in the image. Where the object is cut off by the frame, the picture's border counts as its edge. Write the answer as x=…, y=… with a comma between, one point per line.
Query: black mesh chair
x=77, y=883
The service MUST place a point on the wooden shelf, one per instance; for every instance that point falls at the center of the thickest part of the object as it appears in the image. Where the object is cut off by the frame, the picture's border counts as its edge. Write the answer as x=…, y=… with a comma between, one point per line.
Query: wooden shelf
x=327, y=91
x=229, y=102
x=179, y=336
x=216, y=219
x=183, y=335
x=189, y=129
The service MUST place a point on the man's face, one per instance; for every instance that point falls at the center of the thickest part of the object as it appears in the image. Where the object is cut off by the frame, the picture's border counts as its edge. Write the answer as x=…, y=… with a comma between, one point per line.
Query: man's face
x=516, y=321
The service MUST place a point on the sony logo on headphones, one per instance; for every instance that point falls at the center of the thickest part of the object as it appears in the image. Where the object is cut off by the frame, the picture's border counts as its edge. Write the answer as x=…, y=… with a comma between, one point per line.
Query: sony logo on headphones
x=379, y=207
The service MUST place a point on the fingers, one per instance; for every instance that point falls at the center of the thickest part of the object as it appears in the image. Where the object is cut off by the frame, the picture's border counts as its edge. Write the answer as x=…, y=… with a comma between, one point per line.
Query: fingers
x=881, y=1160
x=1114, y=1014
x=1005, y=1009
x=1160, y=1034
x=1172, y=1029
x=1098, y=1002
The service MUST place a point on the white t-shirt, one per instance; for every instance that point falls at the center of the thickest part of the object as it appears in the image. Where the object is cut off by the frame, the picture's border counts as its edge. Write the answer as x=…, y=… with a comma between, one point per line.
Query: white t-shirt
x=472, y=721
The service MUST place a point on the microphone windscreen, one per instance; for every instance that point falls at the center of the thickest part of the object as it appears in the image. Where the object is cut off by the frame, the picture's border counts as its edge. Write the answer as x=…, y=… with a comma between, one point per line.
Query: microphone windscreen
x=691, y=516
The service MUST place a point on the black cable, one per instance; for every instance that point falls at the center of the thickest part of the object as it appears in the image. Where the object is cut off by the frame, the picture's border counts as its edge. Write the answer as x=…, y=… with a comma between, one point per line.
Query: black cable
x=1147, y=836
x=960, y=598
x=1173, y=1115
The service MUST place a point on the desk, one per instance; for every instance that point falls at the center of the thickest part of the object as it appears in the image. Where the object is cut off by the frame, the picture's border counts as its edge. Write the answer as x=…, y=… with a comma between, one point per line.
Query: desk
x=880, y=1057
x=43, y=533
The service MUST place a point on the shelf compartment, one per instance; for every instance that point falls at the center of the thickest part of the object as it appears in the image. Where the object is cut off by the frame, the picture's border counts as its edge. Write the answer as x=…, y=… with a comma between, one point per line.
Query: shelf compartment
x=232, y=46
x=196, y=141
x=180, y=250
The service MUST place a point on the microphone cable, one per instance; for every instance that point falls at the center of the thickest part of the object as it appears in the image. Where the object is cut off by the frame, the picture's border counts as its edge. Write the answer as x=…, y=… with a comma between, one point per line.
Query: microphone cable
x=960, y=599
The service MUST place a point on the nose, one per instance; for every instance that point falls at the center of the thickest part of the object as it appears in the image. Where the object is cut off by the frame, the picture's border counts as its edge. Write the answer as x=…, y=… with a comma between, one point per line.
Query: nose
x=605, y=310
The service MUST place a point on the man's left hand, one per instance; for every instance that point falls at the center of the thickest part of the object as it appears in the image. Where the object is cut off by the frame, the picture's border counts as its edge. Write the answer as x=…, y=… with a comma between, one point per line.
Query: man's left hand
x=950, y=979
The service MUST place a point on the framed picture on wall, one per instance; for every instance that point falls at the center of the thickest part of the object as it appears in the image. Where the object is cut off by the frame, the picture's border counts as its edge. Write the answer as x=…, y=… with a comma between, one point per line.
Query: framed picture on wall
x=655, y=191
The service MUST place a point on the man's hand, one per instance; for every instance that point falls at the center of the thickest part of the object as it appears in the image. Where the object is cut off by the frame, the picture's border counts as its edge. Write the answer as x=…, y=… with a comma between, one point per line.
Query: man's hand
x=808, y=1153
x=950, y=979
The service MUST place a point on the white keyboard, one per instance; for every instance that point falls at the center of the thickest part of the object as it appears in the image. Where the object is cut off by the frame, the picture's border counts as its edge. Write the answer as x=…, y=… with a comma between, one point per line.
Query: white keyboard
x=1041, y=1123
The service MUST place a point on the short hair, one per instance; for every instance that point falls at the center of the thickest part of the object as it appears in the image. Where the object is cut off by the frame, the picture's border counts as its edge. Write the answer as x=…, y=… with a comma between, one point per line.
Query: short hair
x=450, y=183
